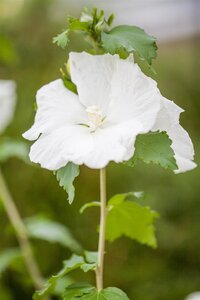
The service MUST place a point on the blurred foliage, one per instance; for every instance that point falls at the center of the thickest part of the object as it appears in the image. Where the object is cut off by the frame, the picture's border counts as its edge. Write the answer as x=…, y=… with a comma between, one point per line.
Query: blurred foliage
x=172, y=270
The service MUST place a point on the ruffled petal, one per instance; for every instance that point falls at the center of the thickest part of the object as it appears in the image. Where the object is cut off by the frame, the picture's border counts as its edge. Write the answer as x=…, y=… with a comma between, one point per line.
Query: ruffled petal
x=7, y=102
x=133, y=95
x=70, y=143
x=78, y=145
x=56, y=107
x=168, y=120
x=92, y=74
x=113, y=143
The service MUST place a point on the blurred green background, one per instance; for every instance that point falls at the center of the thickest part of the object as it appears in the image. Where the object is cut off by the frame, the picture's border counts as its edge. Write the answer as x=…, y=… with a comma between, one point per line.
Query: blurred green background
x=170, y=272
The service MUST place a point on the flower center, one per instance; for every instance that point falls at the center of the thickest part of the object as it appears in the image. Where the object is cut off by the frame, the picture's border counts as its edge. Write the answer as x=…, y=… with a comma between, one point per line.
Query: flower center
x=95, y=117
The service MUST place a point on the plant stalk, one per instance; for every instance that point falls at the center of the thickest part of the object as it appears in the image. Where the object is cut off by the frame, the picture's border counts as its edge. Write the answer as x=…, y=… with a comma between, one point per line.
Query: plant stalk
x=101, y=246
x=21, y=234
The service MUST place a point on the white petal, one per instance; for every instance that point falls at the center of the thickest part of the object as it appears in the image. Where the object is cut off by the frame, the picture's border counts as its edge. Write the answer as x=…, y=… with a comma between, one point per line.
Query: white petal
x=113, y=143
x=92, y=74
x=193, y=296
x=57, y=106
x=7, y=102
x=77, y=144
x=133, y=95
x=69, y=143
x=168, y=120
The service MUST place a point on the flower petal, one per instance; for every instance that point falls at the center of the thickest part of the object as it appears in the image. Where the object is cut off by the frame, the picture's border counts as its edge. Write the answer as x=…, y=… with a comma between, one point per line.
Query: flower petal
x=168, y=120
x=133, y=95
x=92, y=74
x=57, y=106
x=113, y=143
x=78, y=145
x=7, y=102
x=69, y=143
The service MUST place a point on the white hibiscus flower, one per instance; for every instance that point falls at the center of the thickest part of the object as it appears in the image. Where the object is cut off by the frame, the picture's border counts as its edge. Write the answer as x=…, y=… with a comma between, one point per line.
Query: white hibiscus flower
x=193, y=296
x=7, y=102
x=115, y=103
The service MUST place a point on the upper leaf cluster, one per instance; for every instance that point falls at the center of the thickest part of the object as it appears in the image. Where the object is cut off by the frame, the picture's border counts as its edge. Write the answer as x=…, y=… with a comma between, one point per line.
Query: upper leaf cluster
x=102, y=38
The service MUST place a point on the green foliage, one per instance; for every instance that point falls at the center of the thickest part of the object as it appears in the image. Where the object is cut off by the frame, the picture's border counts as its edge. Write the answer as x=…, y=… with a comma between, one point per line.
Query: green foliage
x=91, y=24
x=51, y=231
x=154, y=148
x=122, y=39
x=91, y=261
x=61, y=285
x=85, y=291
x=131, y=38
x=77, y=291
x=8, y=55
x=89, y=204
x=61, y=39
x=66, y=176
x=86, y=264
x=13, y=148
x=67, y=81
x=7, y=257
x=136, y=221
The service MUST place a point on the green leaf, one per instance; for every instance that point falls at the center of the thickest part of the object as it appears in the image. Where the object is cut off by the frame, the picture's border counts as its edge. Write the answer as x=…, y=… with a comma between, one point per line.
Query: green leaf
x=89, y=204
x=67, y=81
x=91, y=261
x=85, y=291
x=13, y=148
x=131, y=38
x=91, y=256
x=112, y=293
x=61, y=285
x=86, y=264
x=154, y=148
x=7, y=257
x=136, y=221
x=90, y=24
x=73, y=263
x=66, y=176
x=76, y=25
x=53, y=232
x=77, y=291
x=62, y=39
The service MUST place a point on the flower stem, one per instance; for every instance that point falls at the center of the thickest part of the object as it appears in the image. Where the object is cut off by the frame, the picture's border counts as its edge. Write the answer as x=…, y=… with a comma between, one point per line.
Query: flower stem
x=21, y=234
x=101, y=246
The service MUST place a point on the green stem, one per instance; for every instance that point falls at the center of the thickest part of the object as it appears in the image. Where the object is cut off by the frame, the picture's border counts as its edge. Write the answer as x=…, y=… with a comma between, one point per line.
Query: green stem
x=21, y=234
x=101, y=246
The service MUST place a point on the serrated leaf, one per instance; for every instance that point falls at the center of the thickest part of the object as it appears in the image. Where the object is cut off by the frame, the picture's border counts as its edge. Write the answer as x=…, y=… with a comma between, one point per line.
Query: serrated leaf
x=91, y=261
x=71, y=264
x=91, y=256
x=7, y=257
x=86, y=263
x=87, y=292
x=66, y=176
x=131, y=38
x=89, y=204
x=62, y=39
x=154, y=148
x=136, y=221
x=13, y=148
x=77, y=290
x=61, y=285
x=51, y=231
x=90, y=24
